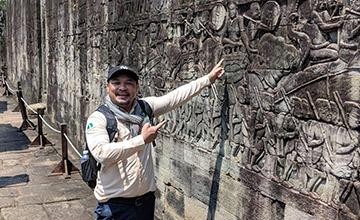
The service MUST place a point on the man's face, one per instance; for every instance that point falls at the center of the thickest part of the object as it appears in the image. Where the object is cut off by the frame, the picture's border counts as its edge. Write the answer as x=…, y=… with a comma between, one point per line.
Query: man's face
x=122, y=90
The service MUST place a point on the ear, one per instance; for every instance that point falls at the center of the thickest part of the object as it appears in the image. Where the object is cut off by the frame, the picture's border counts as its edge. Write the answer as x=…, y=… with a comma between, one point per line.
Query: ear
x=107, y=87
x=137, y=88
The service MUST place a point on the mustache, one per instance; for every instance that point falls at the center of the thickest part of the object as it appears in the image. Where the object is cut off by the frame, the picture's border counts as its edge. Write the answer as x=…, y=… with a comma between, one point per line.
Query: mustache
x=122, y=93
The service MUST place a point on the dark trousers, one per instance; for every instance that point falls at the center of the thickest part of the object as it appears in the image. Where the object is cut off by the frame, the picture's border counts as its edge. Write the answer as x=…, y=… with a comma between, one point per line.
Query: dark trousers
x=138, y=208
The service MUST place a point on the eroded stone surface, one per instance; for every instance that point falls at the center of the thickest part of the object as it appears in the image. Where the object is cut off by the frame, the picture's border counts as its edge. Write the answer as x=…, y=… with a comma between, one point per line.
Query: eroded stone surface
x=24, y=212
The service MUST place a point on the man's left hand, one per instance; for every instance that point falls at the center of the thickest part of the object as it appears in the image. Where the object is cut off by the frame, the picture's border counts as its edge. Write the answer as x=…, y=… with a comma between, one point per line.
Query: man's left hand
x=217, y=72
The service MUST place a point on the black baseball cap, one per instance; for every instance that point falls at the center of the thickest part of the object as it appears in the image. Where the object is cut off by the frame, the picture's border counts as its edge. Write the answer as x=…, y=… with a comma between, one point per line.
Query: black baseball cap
x=122, y=69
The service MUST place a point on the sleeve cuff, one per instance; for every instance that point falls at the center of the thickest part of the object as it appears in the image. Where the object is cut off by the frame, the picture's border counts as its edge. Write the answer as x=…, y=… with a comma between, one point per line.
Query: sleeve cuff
x=206, y=80
x=139, y=142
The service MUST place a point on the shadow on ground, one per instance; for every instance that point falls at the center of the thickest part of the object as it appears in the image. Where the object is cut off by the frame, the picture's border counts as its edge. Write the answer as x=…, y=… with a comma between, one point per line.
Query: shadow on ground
x=3, y=106
x=12, y=180
x=11, y=139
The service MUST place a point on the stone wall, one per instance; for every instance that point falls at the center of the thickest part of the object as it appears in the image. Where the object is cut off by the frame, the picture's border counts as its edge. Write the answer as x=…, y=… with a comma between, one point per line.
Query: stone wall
x=277, y=138
x=2, y=37
x=22, y=41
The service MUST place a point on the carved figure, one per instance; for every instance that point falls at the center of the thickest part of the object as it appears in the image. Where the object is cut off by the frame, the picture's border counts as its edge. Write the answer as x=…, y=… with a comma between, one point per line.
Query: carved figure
x=199, y=26
x=185, y=113
x=321, y=48
x=270, y=14
x=190, y=118
x=327, y=22
x=276, y=59
x=206, y=118
x=284, y=135
x=186, y=28
x=344, y=144
x=171, y=56
x=2, y=17
x=256, y=152
x=300, y=39
x=311, y=179
x=218, y=17
x=334, y=7
x=239, y=130
x=253, y=17
x=350, y=33
x=263, y=149
x=234, y=32
x=153, y=33
x=199, y=112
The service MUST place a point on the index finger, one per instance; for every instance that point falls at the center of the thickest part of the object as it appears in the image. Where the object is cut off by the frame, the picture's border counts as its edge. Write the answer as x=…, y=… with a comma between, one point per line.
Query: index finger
x=220, y=62
x=160, y=124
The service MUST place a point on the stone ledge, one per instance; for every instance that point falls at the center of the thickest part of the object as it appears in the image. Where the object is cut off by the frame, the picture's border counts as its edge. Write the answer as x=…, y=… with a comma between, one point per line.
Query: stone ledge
x=35, y=107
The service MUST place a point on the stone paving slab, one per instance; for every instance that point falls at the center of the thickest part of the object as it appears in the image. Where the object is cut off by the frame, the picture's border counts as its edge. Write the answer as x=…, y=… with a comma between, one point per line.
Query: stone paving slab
x=25, y=212
x=75, y=209
x=8, y=192
x=7, y=202
x=26, y=189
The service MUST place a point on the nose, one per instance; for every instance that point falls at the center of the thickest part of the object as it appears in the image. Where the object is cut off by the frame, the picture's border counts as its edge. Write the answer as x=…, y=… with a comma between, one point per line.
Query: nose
x=122, y=87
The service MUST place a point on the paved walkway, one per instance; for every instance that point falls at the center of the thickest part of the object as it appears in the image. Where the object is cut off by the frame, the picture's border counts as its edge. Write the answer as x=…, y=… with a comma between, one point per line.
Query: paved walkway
x=26, y=189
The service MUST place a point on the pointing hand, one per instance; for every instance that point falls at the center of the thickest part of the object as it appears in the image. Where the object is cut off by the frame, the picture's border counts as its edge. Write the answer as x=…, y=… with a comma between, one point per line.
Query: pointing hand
x=217, y=72
x=149, y=132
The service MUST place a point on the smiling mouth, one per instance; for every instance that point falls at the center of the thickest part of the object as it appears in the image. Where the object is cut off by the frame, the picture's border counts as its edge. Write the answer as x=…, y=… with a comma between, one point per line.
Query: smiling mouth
x=122, y=96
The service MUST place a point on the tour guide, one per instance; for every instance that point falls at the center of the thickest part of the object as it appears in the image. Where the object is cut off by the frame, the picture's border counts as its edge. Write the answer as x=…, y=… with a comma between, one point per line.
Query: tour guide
x=125, y=184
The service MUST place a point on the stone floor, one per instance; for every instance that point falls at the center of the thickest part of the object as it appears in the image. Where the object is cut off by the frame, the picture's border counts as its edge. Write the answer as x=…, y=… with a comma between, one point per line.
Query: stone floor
x=26, y=189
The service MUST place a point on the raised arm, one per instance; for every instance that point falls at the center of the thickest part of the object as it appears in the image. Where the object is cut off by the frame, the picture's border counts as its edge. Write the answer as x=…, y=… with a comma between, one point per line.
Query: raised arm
x=174, y=99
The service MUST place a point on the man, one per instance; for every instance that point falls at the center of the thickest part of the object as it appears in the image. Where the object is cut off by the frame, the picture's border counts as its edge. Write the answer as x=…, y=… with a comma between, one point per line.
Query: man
x=125, y=184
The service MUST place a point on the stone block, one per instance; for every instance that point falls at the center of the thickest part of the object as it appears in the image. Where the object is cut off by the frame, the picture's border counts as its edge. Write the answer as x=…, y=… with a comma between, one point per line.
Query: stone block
x=174, y=202
x=161, y=168
x=195, y=209
x=202, y=183
x=292, y=213
x=174, y=149
x=181, y=176
x=199, y=158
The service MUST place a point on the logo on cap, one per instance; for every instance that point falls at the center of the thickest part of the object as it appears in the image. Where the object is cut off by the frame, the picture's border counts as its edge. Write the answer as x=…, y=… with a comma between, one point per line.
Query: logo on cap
x=124, y=67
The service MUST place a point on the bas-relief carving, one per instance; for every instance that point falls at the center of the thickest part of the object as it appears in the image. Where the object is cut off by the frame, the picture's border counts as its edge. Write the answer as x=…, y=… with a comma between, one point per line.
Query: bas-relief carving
x=2, y=40
x=288, y=105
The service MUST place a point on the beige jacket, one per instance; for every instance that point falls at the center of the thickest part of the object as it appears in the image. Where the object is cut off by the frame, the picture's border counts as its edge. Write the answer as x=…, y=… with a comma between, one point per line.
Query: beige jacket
x=126, y=165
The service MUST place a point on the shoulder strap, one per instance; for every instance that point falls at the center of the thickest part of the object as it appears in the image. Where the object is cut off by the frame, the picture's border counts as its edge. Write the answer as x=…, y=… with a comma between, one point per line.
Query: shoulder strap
x=111, y=123
x=145, y=107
